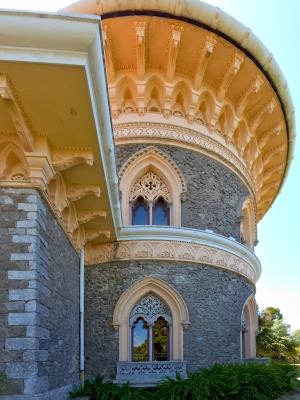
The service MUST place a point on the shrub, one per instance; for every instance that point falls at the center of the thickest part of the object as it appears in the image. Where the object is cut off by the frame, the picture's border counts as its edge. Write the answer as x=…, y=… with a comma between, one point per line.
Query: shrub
x=2, y=382
x=232, y=382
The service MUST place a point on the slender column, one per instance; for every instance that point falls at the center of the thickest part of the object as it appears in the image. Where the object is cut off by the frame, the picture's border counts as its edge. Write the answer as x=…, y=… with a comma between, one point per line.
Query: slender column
x=150, y=343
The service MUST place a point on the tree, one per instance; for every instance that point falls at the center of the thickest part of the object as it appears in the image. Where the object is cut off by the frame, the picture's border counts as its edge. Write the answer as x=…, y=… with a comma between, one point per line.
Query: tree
x=274, y=339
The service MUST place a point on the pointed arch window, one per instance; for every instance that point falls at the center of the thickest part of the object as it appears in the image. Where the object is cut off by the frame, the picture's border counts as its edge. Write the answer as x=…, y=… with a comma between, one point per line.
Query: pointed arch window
x=150, y=201
x=150, y=330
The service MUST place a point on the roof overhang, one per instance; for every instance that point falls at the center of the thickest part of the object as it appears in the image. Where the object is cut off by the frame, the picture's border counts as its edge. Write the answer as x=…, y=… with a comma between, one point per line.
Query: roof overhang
x=218, y=23
x=55, y=131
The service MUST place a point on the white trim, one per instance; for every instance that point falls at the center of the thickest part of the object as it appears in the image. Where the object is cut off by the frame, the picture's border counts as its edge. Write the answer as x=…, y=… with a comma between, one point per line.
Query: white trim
x=79, y=44
x=189, y=235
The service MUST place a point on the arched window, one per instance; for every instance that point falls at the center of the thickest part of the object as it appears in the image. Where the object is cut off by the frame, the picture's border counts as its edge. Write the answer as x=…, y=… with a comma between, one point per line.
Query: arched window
x=140, y=212
x=150, y=201
x=151, y=174
x=150, y=325
x=161, y=212
x=249, y=329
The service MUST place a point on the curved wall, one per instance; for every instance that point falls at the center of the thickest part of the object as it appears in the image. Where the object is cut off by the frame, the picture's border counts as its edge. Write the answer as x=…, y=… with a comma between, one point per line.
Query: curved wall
x=214, y=193
x=214, y=298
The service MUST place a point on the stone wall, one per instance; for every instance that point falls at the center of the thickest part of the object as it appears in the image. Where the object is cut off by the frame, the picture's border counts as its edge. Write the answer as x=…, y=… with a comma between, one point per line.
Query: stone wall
x=214, y=298
x=39, y=298
x=214, y=193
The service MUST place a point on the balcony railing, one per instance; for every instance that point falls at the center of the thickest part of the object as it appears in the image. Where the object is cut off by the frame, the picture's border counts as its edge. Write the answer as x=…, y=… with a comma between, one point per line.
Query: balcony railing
x=149, y=373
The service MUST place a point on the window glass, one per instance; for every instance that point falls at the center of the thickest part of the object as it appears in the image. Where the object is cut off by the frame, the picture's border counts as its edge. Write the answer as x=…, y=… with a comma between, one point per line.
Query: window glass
x=140, y=212
x=140, y=340
x=160, y=340
x=160, y=212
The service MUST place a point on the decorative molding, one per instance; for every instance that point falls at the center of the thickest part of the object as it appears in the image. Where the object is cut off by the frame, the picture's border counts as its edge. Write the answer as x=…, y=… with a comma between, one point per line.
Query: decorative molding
x=173, y=300
x=204, y=57
x=92, y=234
x=140, y=27
x=171, y=181
x=150, y=187
x=203, y=142
x=174, y=41
x=77, y=192
x=65, y=159
x=150, y=307
x=85, y=216
x=173, y=250
x=108, y=52
x=149, y=373
x=229, y=74
x=16, y=113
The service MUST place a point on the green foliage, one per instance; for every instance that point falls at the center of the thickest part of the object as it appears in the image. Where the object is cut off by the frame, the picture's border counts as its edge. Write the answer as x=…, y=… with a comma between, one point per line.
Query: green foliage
x=274, y=339
x=2, y=382
x=232, y=382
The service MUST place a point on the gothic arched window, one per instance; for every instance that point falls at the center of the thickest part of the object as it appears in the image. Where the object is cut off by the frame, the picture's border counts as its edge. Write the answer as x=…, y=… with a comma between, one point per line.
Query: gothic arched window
x=150, y=329
x=140, y=212
x=150, y=201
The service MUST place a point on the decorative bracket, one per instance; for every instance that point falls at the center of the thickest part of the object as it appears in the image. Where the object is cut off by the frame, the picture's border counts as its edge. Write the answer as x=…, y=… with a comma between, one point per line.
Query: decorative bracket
x=64, y=159
x=204, y=57
x=140, y=27
x=76, y=192
x=16, y=113
x=88, y=215
x=254, y=87
x=176, y=32
x=229, y=75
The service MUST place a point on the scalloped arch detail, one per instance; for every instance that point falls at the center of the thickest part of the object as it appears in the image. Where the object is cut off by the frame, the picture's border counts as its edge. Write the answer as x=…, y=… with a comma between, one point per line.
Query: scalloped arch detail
x=153, y=159
x=169, y=295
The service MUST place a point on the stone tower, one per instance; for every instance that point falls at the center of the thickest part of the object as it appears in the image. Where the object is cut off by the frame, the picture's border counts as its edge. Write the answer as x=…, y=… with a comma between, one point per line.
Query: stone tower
x=159, y=170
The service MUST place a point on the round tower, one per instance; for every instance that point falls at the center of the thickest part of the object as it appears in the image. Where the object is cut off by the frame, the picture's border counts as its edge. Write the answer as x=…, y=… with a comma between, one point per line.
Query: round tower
x=203, y=130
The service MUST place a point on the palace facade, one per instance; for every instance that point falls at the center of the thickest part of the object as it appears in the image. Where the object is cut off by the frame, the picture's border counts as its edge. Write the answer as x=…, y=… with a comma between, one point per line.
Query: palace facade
x=140, y=144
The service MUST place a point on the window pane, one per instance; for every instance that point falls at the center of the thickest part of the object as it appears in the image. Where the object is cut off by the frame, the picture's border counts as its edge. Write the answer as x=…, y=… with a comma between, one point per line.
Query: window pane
x=160, y=213
x=140, y=213
x=161, y=340
x=140, y=347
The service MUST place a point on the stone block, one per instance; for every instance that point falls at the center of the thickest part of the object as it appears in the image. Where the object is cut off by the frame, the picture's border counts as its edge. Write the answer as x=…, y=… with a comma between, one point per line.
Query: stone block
x=26, y=275
x=21, y=343
x=36, y=385
x=15, y=306
x=27, y=207
x=37, y=332
x=27, y=223
x=21, y=370
x=22, y=294
x=22, y=256
x=34, y=284
x=23, y=318
x=36, y=306
x=35, y=355
x=32, y=215
x=23, y=239
x=32, y=198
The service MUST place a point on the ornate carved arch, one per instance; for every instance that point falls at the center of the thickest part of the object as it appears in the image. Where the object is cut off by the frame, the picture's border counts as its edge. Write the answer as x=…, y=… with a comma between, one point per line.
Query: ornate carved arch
x=13, y=165
x=154, y=160
x=171, y=298
x=249, y=328
x=248, y=226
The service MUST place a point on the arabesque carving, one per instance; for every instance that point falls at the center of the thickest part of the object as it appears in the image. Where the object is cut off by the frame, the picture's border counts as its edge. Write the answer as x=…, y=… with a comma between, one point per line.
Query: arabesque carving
x=173, y=251
x=150, y=187
x=146, y=168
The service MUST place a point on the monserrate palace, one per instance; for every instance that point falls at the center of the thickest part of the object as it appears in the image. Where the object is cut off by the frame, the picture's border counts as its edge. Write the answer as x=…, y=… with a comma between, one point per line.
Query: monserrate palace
x=140, y=144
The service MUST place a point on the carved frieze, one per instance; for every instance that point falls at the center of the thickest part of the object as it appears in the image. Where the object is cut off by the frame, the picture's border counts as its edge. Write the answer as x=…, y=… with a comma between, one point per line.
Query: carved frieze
x=172, y=251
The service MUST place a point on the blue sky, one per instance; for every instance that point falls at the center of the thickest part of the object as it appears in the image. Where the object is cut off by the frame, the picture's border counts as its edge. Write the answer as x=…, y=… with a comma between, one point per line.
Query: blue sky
x=276, y=23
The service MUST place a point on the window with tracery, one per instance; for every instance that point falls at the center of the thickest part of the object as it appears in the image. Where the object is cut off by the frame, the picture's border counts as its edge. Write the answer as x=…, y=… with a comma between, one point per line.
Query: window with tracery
x=150, y=201
x=150, y=330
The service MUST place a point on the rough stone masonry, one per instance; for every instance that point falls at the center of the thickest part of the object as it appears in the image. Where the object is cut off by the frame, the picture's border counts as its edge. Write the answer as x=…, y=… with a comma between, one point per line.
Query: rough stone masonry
x=39, y=294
